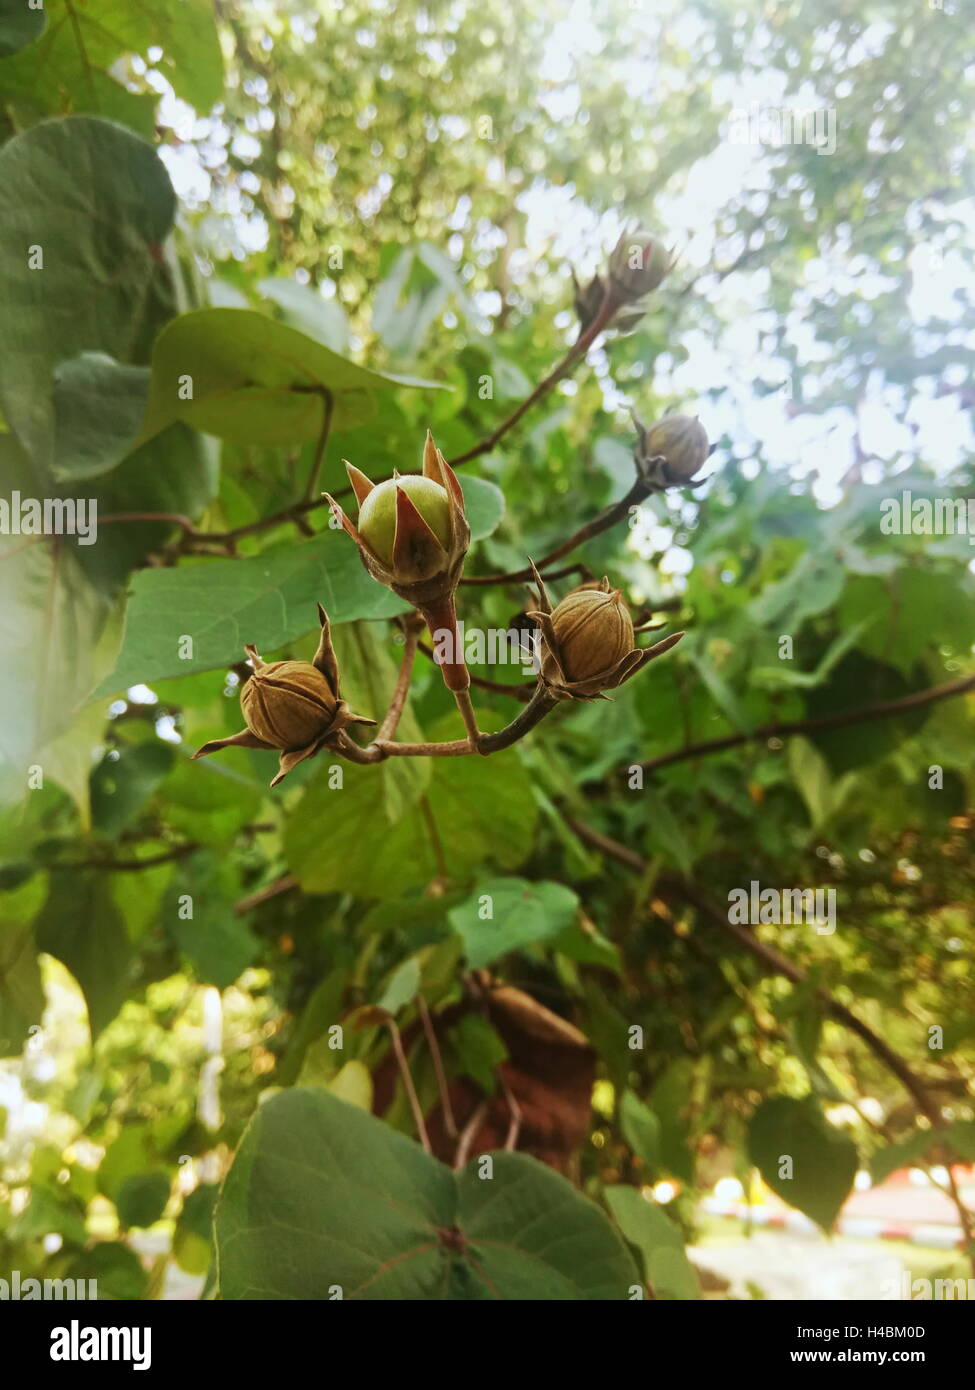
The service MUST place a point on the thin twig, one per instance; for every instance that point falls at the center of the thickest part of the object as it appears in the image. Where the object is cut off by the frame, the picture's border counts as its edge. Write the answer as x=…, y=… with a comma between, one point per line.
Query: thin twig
x=450, y=1124
x=398, y=702
x=404, y=1071
x=467, y=1135
x=769, y=957
x=883, y=709
x=603, y=522
x=580, y=347
x=328, y=408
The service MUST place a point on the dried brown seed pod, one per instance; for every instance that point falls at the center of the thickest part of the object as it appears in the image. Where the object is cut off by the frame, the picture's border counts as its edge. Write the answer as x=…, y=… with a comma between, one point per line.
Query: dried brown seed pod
x=291, y=706
x=587, y=643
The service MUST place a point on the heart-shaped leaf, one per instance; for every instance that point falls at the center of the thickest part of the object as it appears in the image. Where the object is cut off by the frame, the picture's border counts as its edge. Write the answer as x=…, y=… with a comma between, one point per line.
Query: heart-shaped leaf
x=324, y=1201
x=808, y=1162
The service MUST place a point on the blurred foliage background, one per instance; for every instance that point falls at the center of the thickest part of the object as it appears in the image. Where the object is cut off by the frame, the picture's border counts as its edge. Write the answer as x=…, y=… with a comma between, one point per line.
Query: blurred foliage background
x=410, y=186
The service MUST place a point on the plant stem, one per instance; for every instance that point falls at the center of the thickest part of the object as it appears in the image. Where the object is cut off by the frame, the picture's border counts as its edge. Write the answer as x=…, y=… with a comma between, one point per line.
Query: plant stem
x=769, y=957
x=328, y=410
x=398, y=701
x=580, y=347
x=606, y=519
x=884, y=709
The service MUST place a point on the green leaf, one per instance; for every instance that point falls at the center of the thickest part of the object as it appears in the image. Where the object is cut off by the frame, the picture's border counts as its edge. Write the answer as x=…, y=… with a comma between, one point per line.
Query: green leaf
x=70, y=68
x=669, y=1272
x=322, y=1196
x=821, y=790
x=484, y=504
x=893, y=1156
x=478, y=1049
x=123, y=781
x=142, y=1199
x=304, y=308
x=100, y=238
x=254, y=380
x=268, y=600
x=401, y=987
x=21, y=991
x=60, y=634
x=520, y=913
x=722, y=694
x=116, y=1269
x=218, y=943
x=482, y=808
x=19, y=25
x=81, y=925
x=823, y=1159
x=641, y=1128
x=98, y=405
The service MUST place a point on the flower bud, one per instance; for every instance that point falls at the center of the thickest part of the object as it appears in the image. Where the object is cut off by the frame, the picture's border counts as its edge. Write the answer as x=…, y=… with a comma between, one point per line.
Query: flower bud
x=637, y=265
x=378, y=522
x=412, y=536
x=672, y=451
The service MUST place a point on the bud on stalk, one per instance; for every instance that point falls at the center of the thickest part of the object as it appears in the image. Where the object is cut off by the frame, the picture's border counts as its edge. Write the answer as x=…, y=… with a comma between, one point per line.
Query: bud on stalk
x=672, y=451
x=412, y=536
x=639, y=263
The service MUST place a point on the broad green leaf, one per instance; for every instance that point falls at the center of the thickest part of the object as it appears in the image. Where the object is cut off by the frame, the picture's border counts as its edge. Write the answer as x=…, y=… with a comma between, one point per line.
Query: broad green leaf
x=81, y=925
x=482, y=810
x=670, y=1101
x=506, y=914
x=199, y=915
x=59, y=636
x=786, y=1133
x=98, y=405
x=70, y=68
x=669, y=1272
x=353, y=1083
x=484, y=504
x=21, y=991
x=19, y=26
x=724, y=697
x=323, y=1197
x=401, y=987
x=245, y=377
x=267, y=600
x=116, y=1269
x=99, y=237
x=142, y=1199
x=902, y=1155
x=478, y=1049
x=821, y=790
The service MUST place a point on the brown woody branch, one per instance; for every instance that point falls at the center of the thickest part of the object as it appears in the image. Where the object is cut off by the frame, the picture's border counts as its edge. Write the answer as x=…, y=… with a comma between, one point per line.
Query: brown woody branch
x=883, y=709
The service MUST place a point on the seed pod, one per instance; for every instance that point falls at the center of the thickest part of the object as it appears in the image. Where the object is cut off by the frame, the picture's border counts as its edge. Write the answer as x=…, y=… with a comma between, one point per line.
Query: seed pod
x=672, y=451
x=587, y=642
x=287, y=703
x=594, y=631
x=291, y=706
